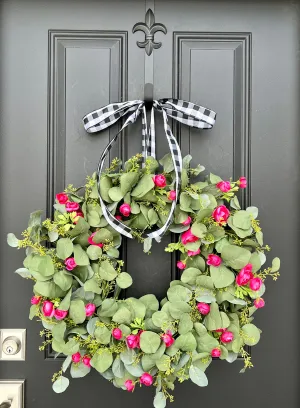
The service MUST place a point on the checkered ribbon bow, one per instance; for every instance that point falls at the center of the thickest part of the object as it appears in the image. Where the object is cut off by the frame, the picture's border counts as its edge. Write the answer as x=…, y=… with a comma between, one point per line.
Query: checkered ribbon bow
x=185, y=112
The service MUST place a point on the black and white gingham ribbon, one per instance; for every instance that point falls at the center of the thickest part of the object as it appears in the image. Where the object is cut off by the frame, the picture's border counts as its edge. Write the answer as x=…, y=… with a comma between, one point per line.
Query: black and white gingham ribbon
x=185, y=112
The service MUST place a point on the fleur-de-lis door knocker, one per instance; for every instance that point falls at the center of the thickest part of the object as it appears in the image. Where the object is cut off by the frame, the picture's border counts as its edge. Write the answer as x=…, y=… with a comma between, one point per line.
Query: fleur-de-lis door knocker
x=149, y=28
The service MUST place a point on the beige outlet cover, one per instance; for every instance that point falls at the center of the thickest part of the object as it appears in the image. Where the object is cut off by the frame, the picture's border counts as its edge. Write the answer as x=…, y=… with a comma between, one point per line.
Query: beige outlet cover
x=21, y=335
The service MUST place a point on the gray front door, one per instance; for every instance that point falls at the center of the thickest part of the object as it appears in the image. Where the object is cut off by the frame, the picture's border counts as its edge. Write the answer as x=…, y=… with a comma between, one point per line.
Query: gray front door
x=62, y=59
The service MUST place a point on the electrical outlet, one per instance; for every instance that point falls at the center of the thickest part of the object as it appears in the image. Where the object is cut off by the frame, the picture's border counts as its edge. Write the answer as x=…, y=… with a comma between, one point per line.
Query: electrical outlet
x=12, y=344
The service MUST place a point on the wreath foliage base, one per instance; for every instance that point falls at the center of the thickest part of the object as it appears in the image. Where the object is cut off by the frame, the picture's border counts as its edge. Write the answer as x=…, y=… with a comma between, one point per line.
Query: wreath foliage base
x=74, y=263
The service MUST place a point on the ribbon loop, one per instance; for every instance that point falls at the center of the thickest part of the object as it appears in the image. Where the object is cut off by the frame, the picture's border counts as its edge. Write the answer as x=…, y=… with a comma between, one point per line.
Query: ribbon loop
x=185, y=112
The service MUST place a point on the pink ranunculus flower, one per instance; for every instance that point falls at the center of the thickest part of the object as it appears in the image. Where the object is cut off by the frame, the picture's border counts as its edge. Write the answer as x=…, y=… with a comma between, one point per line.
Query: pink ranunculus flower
x=118, y=217
x=255, y=284
x=187, y=237
x=216, y=352
x=35, y=300
x=60, y=314
x=171, y=195
x=117, y=333
x=221, y=214
x=91, y=242
x=70, y=264
x=132, y=341
x=146, y=379
x=187, y=221
x=204, y=308
x=181, y=265
x=159, y=180
x=125, y=209
x=129, y=384
x=90, y=309
x=259, y=303
x=72, y=206
x=244, y=275
x=62, y=198
x=242, y=182
x=168, y=338
x=48, y=308
x=86, y=360
x=214, y=260
x=194, y=253
x=226, y=337
x=76, y=357
x=224, y=186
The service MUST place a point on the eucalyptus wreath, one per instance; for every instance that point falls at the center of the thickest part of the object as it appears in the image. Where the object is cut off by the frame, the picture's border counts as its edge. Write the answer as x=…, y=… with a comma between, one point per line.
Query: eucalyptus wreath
x=74, y=263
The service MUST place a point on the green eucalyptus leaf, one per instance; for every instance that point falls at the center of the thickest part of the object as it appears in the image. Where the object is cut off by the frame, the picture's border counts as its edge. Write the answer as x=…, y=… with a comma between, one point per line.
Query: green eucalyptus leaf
x=186, y=342
x=235, y=257
x=149, y=342
x=124, y=280
x=251, y=334
x=77, y=311
x=79, y=370
x=144, y=185
x=198, y=376
x=64, y=248
x=61, y=384
x=221, y=276
x=107, y=271
x=63, y=280
x=80, y=256
x=102, y=360
x=12, y=240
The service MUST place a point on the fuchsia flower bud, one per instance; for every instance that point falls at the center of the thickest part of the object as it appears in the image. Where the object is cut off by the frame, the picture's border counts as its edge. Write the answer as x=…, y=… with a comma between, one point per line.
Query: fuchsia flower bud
x=224, y=186
x=62, y=198
x=194, y=253
x=159, y=180
x=244, y=275
x=60, y=314
x=214, y=260
x=168, y=338
x=259, y=303
x=216, y=352
x=91, y=242
x=221, y=214
x=132, y=341
x=70, y=264
x=226, y=337
x=187, y=221
x=242, y=182
x=90, y=309
x=117, y=333
x=86, y=360
x=76, y=357
x=125, y=209
x=129, y=384
x=181, y=265
x=118, y=217
x=255, y=284
x=204, y=308
x=72, y=206
x=48, y=308
x=171, y=195
x=146, y=379
x=187, y=237
x=35, y=300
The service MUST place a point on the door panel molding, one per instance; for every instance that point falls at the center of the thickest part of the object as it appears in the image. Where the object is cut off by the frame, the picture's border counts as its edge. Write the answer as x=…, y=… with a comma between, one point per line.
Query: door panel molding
x=76, y=87
x=231, y=53
x=105, y=83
